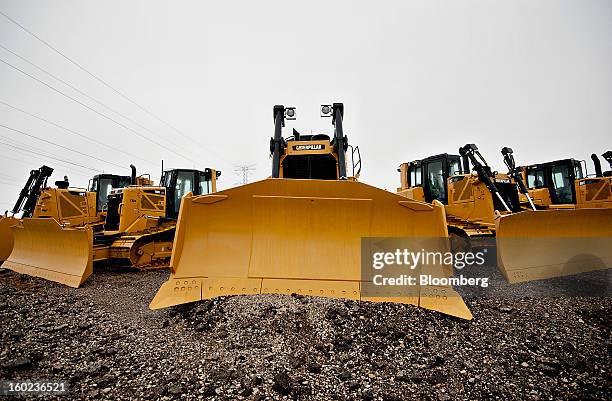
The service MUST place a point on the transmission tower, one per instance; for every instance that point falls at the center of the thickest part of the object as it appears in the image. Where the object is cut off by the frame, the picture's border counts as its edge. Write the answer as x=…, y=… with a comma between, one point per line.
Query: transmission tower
x=243, y=173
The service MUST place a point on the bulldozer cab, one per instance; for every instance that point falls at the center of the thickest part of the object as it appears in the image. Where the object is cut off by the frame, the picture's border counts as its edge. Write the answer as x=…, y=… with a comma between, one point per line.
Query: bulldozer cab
x=103, y=183
x=179, y=182
x=431, y=174
x=309, y=157
x=557, y=178
x=315, y=156
x=435, y=177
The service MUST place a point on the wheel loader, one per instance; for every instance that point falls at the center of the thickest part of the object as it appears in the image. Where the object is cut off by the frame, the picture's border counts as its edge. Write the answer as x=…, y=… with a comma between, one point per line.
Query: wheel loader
x=300, y=230
x=471, y=200
x=71, y=206
x=137, y=230
x=567, y=229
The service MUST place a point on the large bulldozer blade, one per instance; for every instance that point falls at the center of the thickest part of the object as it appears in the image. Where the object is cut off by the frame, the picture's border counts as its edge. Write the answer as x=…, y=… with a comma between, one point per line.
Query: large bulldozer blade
x=6, y=237
x=541, y=244
x=294, y=236
x=45, y=249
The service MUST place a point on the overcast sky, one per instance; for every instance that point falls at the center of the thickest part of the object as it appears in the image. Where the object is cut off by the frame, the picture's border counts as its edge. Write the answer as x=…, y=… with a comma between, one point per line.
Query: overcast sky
x=417, y=78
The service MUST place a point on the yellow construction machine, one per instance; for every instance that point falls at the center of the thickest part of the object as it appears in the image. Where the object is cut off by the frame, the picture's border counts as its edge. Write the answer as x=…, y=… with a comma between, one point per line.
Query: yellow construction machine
x=72, y=207
x=141, y=220
x=563, y=184
x=471, y=200
x=299, y=231
x=568, y=229
x=138, y=228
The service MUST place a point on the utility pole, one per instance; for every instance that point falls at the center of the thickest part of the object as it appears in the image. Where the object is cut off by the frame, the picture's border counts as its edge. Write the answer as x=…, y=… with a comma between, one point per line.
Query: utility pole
x=243, y=173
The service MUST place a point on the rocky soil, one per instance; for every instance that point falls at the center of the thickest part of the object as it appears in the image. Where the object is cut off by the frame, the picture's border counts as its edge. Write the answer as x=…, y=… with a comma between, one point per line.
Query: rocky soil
x=104, y=340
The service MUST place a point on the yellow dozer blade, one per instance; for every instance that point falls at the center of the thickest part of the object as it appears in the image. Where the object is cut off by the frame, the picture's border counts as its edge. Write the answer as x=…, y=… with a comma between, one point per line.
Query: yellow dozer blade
x=541, y=244
x=6, y=237
x=294, y=236
x=43, y=248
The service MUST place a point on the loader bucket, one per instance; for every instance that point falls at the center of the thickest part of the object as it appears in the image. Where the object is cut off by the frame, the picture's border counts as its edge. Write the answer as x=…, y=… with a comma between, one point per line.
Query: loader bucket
x=43, y=248
x=294, y=236
x=542, y=244
x=6, y=237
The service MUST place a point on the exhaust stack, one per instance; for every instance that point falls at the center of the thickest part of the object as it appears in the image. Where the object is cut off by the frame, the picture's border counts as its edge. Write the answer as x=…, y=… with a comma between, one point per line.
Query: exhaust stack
x=597, y=164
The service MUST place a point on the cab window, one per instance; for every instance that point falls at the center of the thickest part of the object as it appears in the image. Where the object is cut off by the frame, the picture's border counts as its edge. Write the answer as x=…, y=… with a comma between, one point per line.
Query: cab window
x=415, y=177
x=205, y=184
x=561, y=183
x=578, y=171
x=535, y=179
x=454, y=167
x=185, y=181
x=103, y=188
x=435, y=181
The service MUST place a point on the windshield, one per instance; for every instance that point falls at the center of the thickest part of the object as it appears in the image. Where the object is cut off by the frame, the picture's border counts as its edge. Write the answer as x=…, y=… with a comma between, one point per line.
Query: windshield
x=103, y=186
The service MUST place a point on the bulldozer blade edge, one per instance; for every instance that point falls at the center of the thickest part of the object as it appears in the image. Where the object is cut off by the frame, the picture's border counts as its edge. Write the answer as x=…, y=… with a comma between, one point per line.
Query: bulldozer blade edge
x=43, y=248
x=181, y=291
x=535, y=245
x=6, y=237
x=286, y=236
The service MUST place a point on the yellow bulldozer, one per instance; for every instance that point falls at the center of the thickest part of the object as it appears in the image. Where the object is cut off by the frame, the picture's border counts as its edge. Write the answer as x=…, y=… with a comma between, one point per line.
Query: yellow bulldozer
x=567, y=229
x=141, y=220
x=137, y=227
x=472, y=201
x=563, y=184
x=300, y=230
x=71, y=207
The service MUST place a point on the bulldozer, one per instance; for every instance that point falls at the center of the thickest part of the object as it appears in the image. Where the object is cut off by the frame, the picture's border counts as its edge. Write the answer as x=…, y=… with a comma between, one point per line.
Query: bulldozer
x=472, y=201
x=72, y=207
x=563, y=184
x=567, y=228
x=137, y=227
x=299, y=231
x=141, y=220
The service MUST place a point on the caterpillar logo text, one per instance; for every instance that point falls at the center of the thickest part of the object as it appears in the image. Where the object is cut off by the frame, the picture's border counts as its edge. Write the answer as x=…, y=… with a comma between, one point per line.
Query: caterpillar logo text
x=308, y=147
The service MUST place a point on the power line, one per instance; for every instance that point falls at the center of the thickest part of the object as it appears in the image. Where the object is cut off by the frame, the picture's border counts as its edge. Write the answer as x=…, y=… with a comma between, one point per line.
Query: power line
x=50, y=157
x=7, y=182
x=81, y=67
x=97, y=112
x=77, y=133
x=102, y=81
x=29, y=165
x=6, y=176
x=85, y=94
x=61, y=146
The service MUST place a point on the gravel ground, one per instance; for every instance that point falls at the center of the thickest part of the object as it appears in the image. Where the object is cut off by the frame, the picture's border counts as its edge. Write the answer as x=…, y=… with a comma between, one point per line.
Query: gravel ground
x=105, y=341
